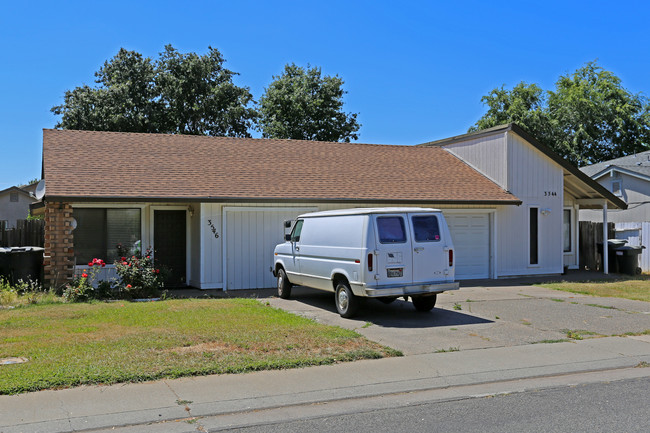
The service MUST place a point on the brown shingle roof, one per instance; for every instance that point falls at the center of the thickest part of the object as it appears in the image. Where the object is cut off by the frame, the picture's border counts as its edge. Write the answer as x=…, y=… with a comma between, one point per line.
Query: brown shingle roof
x=103, y=165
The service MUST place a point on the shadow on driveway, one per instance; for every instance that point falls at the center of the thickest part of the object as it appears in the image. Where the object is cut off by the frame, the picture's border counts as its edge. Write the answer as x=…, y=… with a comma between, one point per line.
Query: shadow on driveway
x=399, y=314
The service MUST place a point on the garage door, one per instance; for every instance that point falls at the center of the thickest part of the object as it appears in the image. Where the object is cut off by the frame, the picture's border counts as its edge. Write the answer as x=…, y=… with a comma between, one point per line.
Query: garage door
x=251, y=234
x=471, y=236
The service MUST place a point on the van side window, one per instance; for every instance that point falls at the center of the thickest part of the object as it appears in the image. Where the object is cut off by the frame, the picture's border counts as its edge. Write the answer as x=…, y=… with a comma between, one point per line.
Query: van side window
x=391, y=230
x=425, y=228
x=295, y=233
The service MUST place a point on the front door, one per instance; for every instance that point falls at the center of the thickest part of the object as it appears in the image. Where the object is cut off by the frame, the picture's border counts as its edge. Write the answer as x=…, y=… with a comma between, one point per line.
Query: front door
x=169, y=243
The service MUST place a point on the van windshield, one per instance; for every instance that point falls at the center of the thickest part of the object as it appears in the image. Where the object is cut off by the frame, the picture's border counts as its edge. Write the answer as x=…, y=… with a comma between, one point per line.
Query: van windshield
x=391, y=229
x=425, y=228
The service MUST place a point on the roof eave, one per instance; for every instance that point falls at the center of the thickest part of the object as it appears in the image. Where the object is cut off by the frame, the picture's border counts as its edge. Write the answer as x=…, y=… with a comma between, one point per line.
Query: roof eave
x=212, y=199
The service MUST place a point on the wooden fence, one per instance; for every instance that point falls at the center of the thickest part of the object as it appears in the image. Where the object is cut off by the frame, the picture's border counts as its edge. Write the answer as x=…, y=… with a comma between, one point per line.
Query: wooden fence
x=26, y=234
x=591, y=234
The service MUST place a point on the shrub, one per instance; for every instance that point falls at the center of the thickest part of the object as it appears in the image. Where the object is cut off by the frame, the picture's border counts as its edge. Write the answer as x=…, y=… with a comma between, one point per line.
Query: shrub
x=80, y=289
x=139, y=277
x=24, y=292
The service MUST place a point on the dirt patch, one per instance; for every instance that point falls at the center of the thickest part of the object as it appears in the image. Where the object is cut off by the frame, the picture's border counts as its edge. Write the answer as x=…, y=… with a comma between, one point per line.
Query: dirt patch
x=215, y=347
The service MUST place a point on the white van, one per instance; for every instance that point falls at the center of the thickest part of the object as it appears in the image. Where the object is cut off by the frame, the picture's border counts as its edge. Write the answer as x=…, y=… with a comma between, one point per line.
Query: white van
x=381, y=253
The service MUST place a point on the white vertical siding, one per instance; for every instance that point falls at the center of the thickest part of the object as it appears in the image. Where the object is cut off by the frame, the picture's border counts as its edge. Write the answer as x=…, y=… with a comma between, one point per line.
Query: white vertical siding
x=645, y=241
x=533, y=178
x=251, y=234
x=211, y=248
x=195, y=244
x=486, y=154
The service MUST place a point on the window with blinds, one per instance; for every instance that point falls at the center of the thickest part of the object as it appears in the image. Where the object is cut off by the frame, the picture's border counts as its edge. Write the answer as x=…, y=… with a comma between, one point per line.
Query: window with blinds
x=101, y=232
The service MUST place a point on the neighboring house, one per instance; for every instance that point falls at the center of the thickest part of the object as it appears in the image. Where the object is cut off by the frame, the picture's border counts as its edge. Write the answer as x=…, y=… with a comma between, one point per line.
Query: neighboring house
x=14, y=204
x=212, y=207
x=627, y=178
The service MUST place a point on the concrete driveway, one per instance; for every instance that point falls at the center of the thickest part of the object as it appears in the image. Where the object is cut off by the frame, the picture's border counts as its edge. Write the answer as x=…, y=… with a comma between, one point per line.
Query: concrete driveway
x=479, y=315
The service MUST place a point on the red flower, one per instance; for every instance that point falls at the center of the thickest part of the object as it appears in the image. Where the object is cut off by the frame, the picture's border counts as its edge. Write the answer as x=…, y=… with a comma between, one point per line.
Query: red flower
x=128, y=286
x=84, y=275
x=157, y=271
x=123, y=258
x=124, y=263
x=98, y=262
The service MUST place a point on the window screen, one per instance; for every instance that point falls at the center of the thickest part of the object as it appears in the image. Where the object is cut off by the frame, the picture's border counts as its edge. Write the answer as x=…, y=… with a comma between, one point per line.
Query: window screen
x=425, y=228
x=566, y=230
x=99, y=231
x=391, y=230
x=13, y=197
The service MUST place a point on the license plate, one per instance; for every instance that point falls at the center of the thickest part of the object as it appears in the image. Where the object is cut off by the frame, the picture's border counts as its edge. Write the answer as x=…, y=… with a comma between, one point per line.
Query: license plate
x=395, y=272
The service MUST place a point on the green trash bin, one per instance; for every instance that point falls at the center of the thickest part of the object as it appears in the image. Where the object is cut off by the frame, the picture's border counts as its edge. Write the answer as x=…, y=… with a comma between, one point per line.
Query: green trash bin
x=21, y=263
x=627, y=258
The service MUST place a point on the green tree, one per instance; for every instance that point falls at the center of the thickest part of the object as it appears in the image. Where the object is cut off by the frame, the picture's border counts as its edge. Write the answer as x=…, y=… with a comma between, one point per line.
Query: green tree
x=178, y=93
x=588, y=118
x=303, y=104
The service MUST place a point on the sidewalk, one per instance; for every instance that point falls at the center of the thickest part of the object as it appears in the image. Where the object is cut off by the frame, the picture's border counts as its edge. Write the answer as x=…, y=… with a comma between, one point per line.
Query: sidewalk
x=145, y=406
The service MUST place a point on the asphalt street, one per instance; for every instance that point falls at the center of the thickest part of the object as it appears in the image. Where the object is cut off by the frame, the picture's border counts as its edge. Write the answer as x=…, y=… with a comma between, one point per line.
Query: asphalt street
x=620, y=406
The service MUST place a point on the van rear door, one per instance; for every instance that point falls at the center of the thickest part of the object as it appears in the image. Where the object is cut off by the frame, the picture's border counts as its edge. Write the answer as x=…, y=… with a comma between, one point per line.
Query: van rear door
x=430, y=260
x=393, y=252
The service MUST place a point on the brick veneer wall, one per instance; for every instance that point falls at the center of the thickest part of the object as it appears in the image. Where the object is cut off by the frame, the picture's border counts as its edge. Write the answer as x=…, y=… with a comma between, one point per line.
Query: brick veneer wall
x=59, y=246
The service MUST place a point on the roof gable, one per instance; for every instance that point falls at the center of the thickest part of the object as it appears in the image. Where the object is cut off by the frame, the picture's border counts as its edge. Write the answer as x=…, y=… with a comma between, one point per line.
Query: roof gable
x=110, y=165
x=15, y=189
x=579, y=184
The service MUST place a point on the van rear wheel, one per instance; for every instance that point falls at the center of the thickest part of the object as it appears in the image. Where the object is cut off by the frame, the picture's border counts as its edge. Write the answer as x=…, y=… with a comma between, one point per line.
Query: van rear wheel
x=347, y=303
x=424, y=303
x=284, y=286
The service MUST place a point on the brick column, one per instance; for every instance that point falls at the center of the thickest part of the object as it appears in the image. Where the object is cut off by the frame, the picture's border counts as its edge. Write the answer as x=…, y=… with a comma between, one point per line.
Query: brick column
x=59, y=246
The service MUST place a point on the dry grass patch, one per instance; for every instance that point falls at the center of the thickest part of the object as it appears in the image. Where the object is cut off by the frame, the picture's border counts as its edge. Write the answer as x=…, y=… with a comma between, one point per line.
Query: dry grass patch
x=637, y=289
x=74, y=344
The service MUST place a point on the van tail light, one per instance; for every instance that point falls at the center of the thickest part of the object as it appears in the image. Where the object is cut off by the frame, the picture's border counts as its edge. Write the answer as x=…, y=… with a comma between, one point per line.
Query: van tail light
x=370, y=255
x=451, y=258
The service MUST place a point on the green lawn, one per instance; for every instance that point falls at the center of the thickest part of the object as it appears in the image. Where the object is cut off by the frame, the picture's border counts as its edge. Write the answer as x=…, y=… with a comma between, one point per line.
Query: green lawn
x=102, y=343
x=628, y=288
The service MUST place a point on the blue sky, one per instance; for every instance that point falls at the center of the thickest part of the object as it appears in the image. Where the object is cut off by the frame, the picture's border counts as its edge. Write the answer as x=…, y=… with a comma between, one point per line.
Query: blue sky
x=414, y=71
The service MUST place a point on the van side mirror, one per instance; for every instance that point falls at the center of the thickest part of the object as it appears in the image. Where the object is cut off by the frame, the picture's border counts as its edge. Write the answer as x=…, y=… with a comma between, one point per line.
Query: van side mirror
x=287, y=224
x=287, y=237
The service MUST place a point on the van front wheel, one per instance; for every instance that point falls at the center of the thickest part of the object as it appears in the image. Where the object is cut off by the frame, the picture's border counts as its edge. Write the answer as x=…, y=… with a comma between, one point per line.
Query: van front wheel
x=424, y=303
x=347, y=303
x=284, y=286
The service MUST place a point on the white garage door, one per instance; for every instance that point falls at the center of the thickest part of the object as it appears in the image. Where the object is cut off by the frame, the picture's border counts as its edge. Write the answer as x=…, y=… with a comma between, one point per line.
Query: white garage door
x=251, y=234
x=471, y=236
